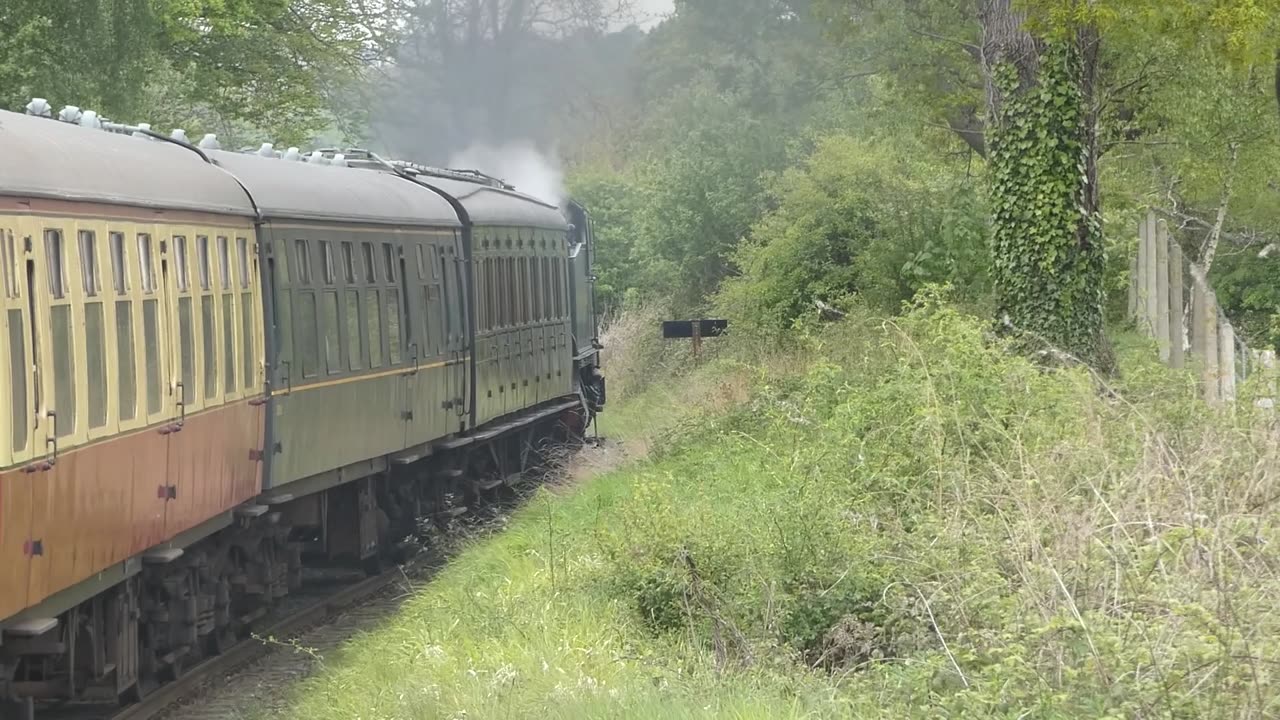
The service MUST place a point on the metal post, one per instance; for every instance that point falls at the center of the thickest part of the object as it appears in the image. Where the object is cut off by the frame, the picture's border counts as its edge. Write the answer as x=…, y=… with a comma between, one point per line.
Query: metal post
x=697, y=341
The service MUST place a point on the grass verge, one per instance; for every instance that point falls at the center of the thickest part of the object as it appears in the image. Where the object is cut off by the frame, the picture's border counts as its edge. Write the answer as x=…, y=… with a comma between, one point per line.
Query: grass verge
x=889, y=519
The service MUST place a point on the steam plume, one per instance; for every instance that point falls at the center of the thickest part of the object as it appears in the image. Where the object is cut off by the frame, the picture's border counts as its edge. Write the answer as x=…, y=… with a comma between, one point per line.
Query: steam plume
x=518, y=163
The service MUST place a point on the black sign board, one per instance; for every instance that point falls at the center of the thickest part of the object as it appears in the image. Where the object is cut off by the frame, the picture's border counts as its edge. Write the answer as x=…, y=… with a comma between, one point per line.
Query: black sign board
x=684, y=328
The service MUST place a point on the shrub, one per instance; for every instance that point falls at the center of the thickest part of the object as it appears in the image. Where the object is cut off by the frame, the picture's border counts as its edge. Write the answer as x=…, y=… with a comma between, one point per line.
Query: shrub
x=864, y=219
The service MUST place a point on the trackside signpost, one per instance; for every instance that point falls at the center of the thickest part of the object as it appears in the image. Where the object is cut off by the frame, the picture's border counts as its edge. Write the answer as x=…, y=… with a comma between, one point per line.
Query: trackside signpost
x=694, y=329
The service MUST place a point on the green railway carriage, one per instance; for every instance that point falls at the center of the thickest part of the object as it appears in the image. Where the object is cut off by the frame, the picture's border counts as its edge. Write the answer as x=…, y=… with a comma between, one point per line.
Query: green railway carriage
x=364, y=315
x=519, y=251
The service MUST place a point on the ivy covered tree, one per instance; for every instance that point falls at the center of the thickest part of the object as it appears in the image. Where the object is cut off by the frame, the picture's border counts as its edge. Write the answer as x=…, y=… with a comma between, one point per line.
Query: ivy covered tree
x=1048, y=260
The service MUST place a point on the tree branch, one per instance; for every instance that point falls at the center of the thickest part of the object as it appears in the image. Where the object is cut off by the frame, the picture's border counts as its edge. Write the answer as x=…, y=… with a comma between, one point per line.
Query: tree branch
x=1210, y=246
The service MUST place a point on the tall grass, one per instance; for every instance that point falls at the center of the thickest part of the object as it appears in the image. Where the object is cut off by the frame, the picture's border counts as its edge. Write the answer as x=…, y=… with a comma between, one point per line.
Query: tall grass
x=891, y=518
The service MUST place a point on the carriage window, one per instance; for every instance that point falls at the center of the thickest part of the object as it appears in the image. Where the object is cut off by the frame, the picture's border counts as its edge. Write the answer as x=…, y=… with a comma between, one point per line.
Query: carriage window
x=224, y=263
x=53, y=258
x=304, y=263
x=368, y=263
x=145, y=267
x=326, y=257
x=526, y=298
x=435, y=266
x=332, y=352
x=202, y=256
x=283, y=318
x=546, y=287
x=228, y=344
x=246, y=338
x=119, y=278
x=242, y=249
x=494, y=295
x=11, y=285
x=389, y=262
x=374, y=326
x=422, y=262
x=89, y=262
x=355, y=339
x=187, y=347
x=209, y=340
x=127, y=372
x=180, y=259
x=7, y=262
x=509, y=288
x=64, y=370
x=18, y=379
x=482, y=307
x=308, y=349
x=151, y=346
x=349, y=263
x=535, y=290
x=96, y=359
x=392, y=318
x=560, y=288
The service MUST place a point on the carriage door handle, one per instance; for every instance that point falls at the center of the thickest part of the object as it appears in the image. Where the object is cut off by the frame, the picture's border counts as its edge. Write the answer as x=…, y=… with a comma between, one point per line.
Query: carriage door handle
x=53, y=460
x=182, y=405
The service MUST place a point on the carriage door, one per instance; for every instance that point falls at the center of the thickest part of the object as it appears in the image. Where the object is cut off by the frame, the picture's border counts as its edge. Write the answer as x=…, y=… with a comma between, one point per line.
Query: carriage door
x=435, y=388
x=17, y=285
x=458, y=318
x=414, y=346
x=51, y=299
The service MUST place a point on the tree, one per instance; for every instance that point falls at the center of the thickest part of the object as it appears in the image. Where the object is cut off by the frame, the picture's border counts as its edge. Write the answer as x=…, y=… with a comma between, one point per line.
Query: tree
x=866, y=219
x=1048, y=261
x=267, y=68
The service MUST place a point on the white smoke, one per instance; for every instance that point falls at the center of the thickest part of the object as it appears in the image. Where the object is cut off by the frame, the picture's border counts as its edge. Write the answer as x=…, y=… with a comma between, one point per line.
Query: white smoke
x=519, y=164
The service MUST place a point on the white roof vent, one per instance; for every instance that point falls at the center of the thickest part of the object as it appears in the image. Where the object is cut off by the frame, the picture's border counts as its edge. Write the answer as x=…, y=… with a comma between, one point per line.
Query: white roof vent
x=70, y=114
x=340, y=160
x=292, y=154
x=317, y=158
x=180, y=135
x=210, y=142
x=39, y=107
x=267, y=150
x=90, y=119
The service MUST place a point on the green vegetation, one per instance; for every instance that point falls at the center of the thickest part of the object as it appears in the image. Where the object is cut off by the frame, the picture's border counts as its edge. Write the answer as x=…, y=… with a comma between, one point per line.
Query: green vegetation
x=889, y=518
x=896, y=515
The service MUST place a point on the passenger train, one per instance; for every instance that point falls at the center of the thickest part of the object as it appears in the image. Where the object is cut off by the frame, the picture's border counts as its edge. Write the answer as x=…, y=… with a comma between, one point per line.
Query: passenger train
x=221, y=367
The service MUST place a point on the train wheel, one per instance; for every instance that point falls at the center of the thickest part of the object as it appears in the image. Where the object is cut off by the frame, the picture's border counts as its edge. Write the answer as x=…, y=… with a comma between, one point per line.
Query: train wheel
x=220, y=641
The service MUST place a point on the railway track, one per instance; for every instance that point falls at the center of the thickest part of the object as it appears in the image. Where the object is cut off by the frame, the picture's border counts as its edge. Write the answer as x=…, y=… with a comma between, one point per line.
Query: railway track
x=249, y=677
x=167, y=701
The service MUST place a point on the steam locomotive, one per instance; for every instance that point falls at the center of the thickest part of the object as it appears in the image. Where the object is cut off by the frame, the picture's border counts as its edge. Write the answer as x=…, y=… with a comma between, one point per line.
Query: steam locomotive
x=223, y=367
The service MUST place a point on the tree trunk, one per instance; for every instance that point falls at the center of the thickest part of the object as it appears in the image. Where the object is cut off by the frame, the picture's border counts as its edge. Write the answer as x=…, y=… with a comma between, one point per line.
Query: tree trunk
x=1047, y=252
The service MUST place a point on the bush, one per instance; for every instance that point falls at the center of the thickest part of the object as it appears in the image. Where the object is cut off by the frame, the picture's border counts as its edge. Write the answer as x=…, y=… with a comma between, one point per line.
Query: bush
x=896, y=518
x=858, y=219
x=1025, y=542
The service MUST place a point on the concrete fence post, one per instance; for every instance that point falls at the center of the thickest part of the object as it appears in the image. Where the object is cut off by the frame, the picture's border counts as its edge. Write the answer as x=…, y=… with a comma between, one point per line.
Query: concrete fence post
x=1132, y=312
x=1177, y=299
x=1265, y=363
x=1151, y=271
x=1209, y=343
x=1161, y=323
x=1226, y=360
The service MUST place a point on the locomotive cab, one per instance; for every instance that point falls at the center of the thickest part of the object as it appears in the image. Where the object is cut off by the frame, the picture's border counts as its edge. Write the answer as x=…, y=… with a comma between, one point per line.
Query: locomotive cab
x=585, y=316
